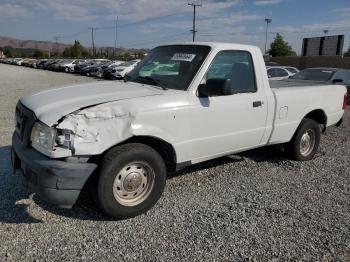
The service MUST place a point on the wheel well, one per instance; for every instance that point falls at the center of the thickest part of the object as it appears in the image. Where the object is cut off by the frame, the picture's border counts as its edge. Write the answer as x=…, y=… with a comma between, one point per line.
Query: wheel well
x=319, y=116
x=165, y=149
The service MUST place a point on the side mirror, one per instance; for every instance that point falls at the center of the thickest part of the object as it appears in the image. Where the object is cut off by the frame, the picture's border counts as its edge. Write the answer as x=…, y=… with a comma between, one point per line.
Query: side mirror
x=337, y=81
x=216, y=87
x=269, y=76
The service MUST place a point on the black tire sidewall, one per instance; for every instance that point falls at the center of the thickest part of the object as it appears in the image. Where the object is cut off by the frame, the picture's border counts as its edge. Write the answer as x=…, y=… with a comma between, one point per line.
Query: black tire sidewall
x=113, y=162
x=295, y=143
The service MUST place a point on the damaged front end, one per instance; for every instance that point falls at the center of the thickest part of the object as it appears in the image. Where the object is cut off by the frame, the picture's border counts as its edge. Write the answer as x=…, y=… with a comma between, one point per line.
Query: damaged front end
x=93, y=130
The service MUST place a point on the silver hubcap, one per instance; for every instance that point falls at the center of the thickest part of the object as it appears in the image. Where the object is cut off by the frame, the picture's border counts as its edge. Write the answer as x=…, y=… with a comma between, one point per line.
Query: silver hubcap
x=307, y=142
x=133, y=184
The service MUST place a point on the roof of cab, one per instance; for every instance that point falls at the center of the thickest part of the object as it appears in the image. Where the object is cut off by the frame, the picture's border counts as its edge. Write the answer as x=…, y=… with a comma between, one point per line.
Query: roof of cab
x=218, y=45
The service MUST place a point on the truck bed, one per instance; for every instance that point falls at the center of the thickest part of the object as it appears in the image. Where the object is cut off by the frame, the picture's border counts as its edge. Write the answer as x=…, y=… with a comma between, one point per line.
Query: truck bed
x=295, y=98
x=295, y=83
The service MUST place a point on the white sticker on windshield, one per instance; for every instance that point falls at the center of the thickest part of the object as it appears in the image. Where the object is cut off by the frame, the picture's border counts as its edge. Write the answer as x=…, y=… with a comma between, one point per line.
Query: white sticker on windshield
x=183, y=57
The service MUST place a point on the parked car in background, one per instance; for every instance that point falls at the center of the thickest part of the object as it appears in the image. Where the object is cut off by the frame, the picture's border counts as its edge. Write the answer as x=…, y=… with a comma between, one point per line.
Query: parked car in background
x=335, y=76
x=50, y=64
x=18, y=61
x=29, y=62
x=44, y=63
x=83, y=68
x=88, y=69
x=99, y=70
x=119, y=71
x=78, y=69
x=59, y=66
x=40, y=63
x=68, y=66
x=56, y=66
x=96, y=69
x=108, y=72
x=280, y=72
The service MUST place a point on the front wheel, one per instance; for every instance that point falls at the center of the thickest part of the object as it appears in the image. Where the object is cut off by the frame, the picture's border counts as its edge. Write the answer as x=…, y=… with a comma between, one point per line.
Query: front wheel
x=131, y=181
x=305, y=141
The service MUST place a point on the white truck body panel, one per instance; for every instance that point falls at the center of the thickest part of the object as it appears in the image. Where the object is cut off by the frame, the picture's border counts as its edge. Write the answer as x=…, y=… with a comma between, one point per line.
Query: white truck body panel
x=102, y=115
x=293, y=103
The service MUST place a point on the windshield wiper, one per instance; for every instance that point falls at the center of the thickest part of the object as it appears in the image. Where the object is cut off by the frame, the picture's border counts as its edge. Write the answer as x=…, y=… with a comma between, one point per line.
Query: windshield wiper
x=154, y=81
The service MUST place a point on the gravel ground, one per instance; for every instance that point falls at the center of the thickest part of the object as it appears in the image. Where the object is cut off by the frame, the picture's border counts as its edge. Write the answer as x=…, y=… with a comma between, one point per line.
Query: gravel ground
x=256, y=206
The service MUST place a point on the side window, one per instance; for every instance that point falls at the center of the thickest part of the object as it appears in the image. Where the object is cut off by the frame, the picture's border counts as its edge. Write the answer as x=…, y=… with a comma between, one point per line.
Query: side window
x=292, y=70
x=236, y=66
x=281, y=72
x=347, y=76
x=271, y=72
x=340, y=75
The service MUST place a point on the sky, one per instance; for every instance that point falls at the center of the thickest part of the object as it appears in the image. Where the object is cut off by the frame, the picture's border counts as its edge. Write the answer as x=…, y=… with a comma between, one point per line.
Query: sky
x=148, y=23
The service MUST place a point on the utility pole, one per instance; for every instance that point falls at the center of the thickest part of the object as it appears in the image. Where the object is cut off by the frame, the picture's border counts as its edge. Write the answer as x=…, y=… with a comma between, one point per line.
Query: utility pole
x=116, y=37
x=194, y=19
x=92, y=40
x=268, y=21
x=56, y=38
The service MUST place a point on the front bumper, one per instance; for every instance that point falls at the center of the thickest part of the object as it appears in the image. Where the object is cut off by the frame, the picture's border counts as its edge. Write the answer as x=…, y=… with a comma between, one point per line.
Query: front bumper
x=55, y=181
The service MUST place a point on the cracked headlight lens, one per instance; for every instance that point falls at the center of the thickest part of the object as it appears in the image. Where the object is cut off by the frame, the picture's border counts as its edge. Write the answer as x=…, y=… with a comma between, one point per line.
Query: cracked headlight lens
x=43, y=136
x=64, y=138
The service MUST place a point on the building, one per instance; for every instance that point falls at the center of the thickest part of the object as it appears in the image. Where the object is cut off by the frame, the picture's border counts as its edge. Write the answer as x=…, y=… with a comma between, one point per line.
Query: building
x=2, y=54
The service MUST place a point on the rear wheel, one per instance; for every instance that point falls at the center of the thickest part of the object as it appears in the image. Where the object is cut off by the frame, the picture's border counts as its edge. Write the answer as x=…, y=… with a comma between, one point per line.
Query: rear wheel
x=305, y=141
x=131, y=181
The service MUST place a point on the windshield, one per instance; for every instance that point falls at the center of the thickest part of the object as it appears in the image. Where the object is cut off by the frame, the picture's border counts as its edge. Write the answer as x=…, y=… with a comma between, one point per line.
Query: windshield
x=172, y=67
x=314, y=74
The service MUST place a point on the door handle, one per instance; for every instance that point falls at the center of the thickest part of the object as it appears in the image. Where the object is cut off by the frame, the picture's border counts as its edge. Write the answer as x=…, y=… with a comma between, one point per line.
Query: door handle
x=257, y=103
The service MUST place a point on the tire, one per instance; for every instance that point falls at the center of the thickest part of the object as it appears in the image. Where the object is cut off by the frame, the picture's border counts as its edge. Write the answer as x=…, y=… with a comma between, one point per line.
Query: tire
x=305, y=141
x=66, y=70
x=132, y=179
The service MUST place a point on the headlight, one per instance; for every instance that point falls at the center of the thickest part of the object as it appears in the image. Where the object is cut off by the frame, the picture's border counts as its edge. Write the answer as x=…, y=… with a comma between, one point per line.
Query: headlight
x=64, y=138
x=43, y=136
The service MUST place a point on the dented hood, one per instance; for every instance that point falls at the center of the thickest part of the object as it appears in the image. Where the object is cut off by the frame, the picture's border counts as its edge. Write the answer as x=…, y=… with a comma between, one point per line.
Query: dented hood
x=51, y=105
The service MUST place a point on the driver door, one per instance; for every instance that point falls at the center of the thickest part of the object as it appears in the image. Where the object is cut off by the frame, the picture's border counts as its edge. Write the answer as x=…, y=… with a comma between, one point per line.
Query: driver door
x=231, y=123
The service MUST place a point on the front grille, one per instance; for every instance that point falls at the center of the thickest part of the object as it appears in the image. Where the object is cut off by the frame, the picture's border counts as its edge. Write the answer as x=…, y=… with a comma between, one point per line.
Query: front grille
x=25, y=120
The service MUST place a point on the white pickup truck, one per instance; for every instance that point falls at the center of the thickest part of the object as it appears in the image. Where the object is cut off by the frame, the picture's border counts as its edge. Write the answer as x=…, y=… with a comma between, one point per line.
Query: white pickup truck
x=124, y=137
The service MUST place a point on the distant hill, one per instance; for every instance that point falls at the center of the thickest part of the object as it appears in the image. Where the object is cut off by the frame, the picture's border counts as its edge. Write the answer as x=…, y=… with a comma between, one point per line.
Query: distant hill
x=31, y=44
x=55, y=47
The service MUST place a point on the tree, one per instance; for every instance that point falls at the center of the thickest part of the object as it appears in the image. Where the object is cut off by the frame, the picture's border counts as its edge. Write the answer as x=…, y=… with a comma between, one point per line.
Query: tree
x=38, y=54
x=8, y=52
x=67, y=52
x=77, y=50
x=279, y=47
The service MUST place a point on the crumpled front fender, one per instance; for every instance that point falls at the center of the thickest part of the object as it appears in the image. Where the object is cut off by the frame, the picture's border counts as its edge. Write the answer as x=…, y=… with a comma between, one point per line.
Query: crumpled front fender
x=99, y=128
